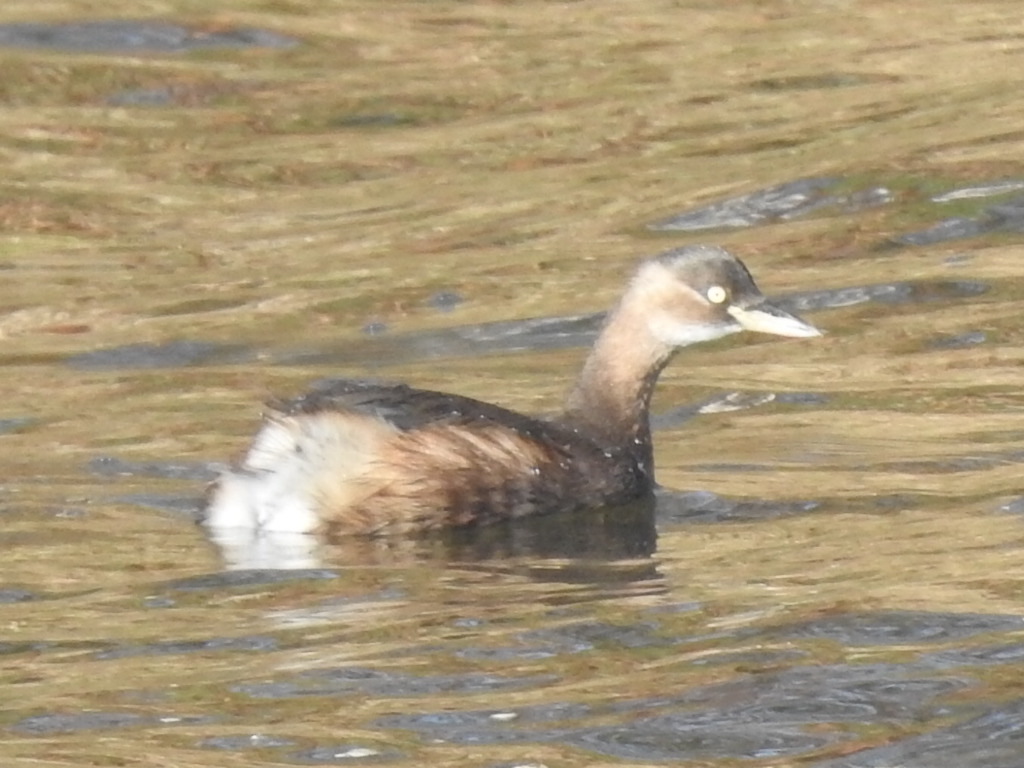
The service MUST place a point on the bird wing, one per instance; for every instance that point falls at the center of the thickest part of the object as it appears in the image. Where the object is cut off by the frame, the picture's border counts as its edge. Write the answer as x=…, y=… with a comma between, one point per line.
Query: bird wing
x=408, y=408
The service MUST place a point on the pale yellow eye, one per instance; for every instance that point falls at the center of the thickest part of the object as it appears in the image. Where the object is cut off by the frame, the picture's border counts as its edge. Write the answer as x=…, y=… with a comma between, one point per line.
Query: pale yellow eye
x=717, y=294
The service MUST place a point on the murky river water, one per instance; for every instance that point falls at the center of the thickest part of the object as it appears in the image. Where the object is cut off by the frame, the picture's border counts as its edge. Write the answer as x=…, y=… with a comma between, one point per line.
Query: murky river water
x=203, y=207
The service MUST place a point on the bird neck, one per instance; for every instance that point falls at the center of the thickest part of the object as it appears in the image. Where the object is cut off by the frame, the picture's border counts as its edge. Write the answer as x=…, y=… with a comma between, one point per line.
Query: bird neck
x=611, y=398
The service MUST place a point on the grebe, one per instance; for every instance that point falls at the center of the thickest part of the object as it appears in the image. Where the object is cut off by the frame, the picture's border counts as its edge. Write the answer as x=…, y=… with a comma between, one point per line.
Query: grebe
x=370, y=458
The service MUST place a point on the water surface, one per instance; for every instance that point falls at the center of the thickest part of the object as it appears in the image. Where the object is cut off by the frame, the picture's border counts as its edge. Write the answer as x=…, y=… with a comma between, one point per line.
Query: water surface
x=203, y=209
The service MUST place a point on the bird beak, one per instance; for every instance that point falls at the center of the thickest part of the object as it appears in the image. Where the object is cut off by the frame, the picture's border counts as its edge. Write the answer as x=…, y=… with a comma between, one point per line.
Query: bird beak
x=767, y=318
